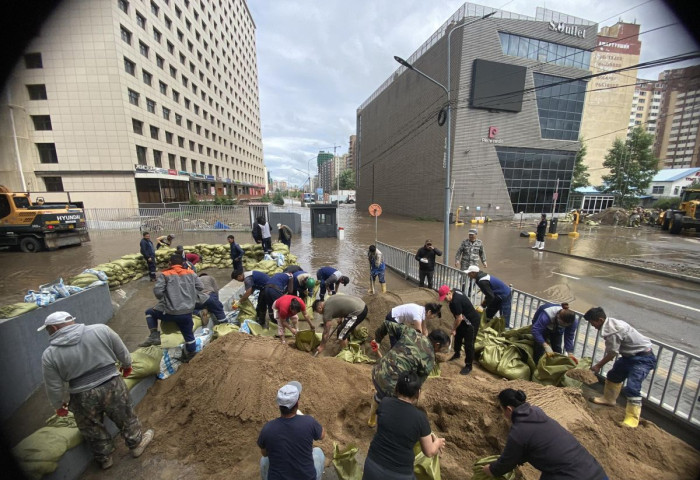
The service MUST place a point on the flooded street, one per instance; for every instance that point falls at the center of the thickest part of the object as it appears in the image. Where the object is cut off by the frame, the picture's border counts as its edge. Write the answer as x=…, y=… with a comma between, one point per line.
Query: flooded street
x=552, y=274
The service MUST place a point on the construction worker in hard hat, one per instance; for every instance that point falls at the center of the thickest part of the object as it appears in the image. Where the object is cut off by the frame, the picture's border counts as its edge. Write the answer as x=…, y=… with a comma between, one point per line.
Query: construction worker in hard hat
x=636, y=360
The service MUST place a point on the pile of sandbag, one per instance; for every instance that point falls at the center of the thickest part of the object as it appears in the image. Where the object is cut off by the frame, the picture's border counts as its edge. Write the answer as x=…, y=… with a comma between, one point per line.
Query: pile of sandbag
x=117, y=272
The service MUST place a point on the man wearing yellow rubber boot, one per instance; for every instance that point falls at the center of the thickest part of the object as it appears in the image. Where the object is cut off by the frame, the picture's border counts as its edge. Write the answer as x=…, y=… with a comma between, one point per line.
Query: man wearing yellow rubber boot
x=636, y=360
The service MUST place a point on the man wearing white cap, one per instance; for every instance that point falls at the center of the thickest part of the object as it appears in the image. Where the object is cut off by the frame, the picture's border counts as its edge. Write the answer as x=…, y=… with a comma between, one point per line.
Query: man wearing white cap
x=82, y=358
x=285, y=235
x=497, y=295
x=470, y=251
x=286, y=442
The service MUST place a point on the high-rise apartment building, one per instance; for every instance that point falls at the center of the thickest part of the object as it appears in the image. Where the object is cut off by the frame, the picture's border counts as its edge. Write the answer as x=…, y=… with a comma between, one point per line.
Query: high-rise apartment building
x=136, y=102
x=326, y=171
x=646, y=104
x=352, y=150
x=677, y=142
x=609, y=96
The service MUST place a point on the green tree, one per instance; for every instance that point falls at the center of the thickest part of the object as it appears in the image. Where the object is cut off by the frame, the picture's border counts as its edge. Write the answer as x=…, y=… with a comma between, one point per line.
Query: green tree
x=632, y=165
x=347, y=180
x=580, y=175
x=278, y=199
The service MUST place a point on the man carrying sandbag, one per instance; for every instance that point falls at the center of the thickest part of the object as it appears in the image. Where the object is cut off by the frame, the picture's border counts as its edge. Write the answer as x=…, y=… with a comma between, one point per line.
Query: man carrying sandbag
x=551, y=324
x=349, y=310
x=83, y=358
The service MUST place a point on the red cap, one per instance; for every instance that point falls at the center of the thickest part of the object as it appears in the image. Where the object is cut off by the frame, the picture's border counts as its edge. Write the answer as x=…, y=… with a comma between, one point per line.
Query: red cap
x=443, y=291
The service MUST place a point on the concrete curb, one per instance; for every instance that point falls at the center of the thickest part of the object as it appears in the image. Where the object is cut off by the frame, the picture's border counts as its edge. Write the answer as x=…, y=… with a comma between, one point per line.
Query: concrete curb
x=677, y=276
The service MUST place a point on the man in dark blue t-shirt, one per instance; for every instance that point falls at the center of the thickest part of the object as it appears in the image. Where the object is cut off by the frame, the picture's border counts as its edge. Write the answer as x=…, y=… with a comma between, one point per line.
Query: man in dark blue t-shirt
x=286, y=442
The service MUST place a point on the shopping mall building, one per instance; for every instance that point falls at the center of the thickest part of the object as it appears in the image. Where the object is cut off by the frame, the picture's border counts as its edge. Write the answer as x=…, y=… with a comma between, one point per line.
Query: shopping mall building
x=517, y=104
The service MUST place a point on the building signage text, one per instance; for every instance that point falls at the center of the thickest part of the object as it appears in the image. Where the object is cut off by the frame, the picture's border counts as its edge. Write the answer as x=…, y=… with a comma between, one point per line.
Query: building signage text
x=493, y=131
x=571, y=30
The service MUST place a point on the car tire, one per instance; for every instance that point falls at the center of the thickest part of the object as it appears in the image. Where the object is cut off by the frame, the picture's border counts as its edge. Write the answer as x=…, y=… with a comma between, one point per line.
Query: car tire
x=30, y=245
x=676, y=224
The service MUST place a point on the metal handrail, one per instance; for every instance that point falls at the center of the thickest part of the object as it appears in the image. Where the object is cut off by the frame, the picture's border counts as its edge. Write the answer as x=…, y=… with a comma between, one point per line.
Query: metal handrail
x=672, y=388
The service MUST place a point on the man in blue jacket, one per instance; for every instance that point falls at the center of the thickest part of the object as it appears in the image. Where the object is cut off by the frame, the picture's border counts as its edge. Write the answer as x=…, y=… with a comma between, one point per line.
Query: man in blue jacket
x=236, y=254
x=551, y=324
x=497, y=295
x=330, y=279
x=252, y=281
x=149, y=254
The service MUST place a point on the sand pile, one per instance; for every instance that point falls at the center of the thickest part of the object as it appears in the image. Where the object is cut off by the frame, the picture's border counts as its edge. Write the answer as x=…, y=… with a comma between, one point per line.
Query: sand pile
x=209, y=414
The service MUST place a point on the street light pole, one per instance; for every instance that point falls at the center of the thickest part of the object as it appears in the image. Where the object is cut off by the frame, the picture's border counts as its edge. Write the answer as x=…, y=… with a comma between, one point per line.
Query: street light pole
x=448, y=140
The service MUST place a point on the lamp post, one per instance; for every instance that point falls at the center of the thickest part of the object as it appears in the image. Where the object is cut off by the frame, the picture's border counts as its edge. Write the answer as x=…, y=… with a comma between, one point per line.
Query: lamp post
x=448, y=141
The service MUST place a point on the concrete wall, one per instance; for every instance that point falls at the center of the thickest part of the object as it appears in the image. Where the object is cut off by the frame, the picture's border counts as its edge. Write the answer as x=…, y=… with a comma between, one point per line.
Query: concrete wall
x=21, y=346
x=292, y=220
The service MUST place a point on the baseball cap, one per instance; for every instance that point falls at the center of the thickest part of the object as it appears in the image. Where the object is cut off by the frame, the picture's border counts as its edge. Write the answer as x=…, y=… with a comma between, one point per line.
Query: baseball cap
x=288, y=396
x=472, y=269
x=473, y=231
x=279, y=225
x=56, y=318
x=443, y=291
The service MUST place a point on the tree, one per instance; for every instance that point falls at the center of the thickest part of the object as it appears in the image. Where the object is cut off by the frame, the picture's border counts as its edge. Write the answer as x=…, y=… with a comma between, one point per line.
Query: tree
x=347, y=180
x=278, y=199
x=632, y=165
x=580, y=175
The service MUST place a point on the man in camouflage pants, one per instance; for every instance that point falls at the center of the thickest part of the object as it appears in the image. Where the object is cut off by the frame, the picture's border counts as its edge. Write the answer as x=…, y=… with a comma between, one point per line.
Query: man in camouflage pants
x=84, y=358
x=470, y=251
x=412, y=352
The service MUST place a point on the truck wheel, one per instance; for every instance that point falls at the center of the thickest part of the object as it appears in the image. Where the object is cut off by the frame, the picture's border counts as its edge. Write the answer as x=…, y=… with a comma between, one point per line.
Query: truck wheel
x=667, y=219
x=30, y=245
x=676, y=224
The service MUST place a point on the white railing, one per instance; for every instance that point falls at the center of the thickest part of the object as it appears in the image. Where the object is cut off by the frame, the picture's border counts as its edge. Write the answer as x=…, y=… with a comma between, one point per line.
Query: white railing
x=185, y=218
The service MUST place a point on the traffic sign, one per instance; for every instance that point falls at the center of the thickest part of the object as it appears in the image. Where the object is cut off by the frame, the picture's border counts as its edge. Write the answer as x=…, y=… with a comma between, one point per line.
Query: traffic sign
x=375, y=210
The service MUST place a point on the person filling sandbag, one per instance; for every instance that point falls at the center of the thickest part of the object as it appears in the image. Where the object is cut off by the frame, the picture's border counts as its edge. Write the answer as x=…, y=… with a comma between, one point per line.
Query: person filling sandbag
x=551, y=325
x=349, y=310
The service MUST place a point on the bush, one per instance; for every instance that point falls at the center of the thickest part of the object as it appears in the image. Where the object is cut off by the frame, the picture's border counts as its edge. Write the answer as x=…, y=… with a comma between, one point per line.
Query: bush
x=664, y=203
x=265, y=198
x=224, y=201
x=278, y=200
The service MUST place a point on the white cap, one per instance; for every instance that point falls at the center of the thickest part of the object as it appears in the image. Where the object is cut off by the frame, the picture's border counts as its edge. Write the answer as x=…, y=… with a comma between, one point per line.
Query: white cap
x=472, y=269
x=56, y=318
x=288, y=396
x=473, y=231
x=279, y=225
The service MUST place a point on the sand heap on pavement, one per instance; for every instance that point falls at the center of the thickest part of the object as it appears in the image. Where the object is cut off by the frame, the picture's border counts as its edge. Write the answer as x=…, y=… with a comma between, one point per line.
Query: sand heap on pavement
x=209, y=414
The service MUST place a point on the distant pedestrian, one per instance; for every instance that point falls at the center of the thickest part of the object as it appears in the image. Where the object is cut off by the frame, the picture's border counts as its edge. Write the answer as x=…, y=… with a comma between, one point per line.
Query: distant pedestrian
x=541, y=232
x=80, y=360
x=400, y=425
x=426, y=263
x=330, y=279
x=164, y=241
x=470, y=251
x=636, y=360
x=237, y=253
x=286, y=443
x=552, y=324
x=349, y=310
x=285, y=234
x=497, y=295
x=376, y=268
x=149, y=254
x=265, y=235
x=466, y=326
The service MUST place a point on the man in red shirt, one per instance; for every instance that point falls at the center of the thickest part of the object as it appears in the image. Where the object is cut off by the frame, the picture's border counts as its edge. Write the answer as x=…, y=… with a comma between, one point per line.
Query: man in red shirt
x=285, y=311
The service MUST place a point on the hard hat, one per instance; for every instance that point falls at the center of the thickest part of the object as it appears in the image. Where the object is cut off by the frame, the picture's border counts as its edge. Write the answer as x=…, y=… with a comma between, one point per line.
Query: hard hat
x=310, y=283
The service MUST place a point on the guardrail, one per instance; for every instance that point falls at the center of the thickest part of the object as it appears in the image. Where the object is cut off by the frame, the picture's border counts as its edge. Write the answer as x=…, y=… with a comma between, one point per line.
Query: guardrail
x=672, y=388
x=185, y=218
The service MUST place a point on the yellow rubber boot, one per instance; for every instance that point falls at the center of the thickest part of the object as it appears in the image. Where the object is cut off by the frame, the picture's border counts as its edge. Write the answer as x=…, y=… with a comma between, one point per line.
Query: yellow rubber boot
x=372, y=422
x=383, y=287
x=632, y=412
x=610, y=394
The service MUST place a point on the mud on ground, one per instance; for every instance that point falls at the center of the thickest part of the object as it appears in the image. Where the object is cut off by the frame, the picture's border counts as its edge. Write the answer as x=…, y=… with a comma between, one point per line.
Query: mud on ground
x=209, y=414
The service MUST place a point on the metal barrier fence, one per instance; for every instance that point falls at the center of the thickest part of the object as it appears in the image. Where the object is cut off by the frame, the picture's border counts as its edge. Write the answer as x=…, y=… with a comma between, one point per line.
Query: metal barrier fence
x=185, y=218
x=672, y=388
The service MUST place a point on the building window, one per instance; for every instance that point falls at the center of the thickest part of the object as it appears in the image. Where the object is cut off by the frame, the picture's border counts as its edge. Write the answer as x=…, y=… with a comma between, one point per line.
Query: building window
x=141, y=155
x=143, y=48
x=181, y=143
x=163, y=87
x=123, y=6
x=129, y=66
x=140, y=20
x=137, y=125
x=173, y=72
x=192, y=148
x=133, y=97
x=171, y=161
x=559, y=105
x=171, y=48
x=42, y=122
x=158, y=158
x=154, y=132
x=37, y=92
x=657, y=189
x=157, y=35
x=168, y=22
x=154, y=9
x=160, y=62
x=47, y=152
x=178, y=119
x=176, y=96
x=166, y=113
x=126, y=35
x=33, y=60
x=147, y=77
x=549, y=52
x=183, y=163
x=150, y=105
x=169, y=137
x=53, y=184
x=189, y=124
x=187, y=103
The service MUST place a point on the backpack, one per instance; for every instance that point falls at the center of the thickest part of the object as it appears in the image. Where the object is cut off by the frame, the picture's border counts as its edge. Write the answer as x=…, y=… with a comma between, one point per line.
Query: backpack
x=257, y=232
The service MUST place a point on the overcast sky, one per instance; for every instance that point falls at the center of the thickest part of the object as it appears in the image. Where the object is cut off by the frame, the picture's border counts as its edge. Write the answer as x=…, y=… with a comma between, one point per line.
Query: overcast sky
x=319, y=60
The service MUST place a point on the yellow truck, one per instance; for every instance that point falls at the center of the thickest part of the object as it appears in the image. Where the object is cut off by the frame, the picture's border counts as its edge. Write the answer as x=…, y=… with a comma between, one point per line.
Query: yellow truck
x=37, y=226
x=686, y=216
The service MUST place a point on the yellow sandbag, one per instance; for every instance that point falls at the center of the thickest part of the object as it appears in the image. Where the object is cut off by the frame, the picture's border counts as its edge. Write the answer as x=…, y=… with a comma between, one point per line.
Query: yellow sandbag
x=425, y=468
x=145, y=361
x=353, y=354
x=345, y=463
x=307, y=340
x=224, y=329
x=479, y=472
x=171, y=336
x=17, y=309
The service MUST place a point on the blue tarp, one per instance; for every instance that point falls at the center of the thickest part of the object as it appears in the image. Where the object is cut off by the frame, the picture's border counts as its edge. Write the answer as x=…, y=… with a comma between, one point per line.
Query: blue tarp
x=221, y=226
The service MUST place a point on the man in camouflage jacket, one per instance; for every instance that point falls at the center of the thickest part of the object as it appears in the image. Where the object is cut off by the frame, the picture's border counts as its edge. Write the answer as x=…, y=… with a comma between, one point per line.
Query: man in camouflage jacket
x=469, y=253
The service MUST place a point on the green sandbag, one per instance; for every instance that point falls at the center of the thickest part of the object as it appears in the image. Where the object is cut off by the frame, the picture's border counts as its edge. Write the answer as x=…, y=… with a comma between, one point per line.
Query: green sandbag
x=504, y=359
x=435, y=372
x=133, y=256
x=17, y=309
x=307, y=340
x=345, y=463
x=267, y=266
x=145, y=361
x=83, y=280
x=353, y=354
x=496, y=323
x=280, y=248
x=125, y=264
x=171, y=336
x=480, y=475
x=359, y=334
x=224, y=329
x=425, y=468
x=552, y=371
x=131, y=382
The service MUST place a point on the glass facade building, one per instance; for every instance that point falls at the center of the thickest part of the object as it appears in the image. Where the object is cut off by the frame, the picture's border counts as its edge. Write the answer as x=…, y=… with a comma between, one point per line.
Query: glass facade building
x=549, y=52
x=559, y=105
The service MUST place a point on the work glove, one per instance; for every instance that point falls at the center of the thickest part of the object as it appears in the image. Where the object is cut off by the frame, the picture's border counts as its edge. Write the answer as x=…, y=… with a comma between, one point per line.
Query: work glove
x=374, y=345
x=234, y=306
x=548, y=350
x=126, y=371
x=63, y=411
